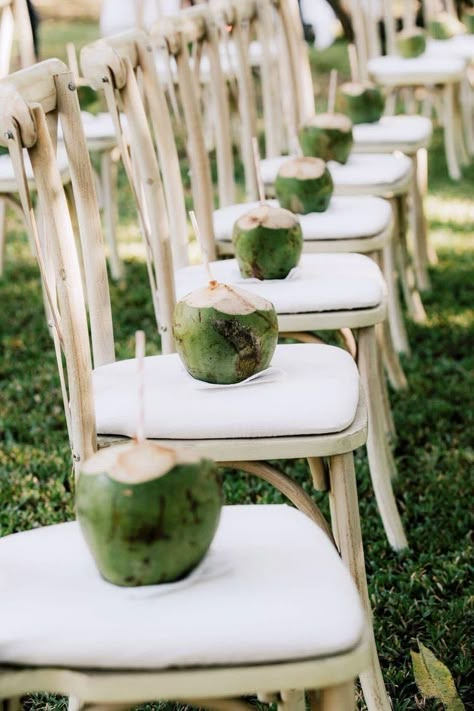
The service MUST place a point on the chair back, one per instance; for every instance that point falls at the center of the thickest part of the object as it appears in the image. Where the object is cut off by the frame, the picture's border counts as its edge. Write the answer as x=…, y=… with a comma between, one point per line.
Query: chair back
x=31, y=103
x=15, y=21
x=374, y=19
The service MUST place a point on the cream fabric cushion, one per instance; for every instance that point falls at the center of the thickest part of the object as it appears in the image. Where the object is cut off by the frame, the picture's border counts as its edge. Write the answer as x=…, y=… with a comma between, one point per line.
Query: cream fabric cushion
x=271, y=588
x=345, y=218
x=402, y=133
x=318, y=393
x=425, y=69
x=459, y=46
x=7, y=175
x=321, y=282
x=372, y=172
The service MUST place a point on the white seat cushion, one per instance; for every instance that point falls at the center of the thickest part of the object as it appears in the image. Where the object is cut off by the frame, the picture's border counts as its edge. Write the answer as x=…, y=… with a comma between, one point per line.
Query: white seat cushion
x=425, y=69
x=272, y=588
x=7, y=175
x=371, y=173
x=321, y=282
x=317, y=393
x=345, y=218
x=459, y=46
x=403, y=133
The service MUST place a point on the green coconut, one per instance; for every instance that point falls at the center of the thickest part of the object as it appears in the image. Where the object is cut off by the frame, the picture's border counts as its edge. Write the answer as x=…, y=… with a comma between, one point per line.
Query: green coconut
x=468, y=20
x=148, y=513
x=411, y=43
x=268, y=242
x=327, y=136
x=224, y=334
x=445, y=26
x=304, y=185
x=363, y=102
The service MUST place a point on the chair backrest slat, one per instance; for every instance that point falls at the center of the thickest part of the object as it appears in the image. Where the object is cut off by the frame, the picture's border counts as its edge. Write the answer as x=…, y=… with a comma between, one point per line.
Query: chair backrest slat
x=15, y=22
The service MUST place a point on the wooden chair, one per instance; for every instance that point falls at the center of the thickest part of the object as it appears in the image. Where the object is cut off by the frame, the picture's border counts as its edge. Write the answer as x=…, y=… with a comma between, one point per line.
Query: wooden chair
x=383, y=175
x=288, y=418
x=441, y=77
x=305, y=304
x=461, y=46
x=407, y=134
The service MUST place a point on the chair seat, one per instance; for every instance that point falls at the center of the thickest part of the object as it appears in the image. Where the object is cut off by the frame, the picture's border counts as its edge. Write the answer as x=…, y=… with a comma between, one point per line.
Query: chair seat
x=7, y=174
x=459, y=46
x=271, y=588
x=393, y=133
x=321, y=282
x=316, y=393
x=345, y=218
x=375, y=173
x=425, y=69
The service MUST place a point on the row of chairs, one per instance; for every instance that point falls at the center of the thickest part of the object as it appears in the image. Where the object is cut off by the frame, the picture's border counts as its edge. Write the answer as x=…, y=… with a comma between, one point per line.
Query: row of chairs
x=318, y=412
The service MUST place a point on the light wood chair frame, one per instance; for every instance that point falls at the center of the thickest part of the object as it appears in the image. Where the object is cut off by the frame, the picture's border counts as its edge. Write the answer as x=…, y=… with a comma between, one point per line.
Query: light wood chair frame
x=301, y=95
x=237, y=15
x=445, y=95
x=31, y=103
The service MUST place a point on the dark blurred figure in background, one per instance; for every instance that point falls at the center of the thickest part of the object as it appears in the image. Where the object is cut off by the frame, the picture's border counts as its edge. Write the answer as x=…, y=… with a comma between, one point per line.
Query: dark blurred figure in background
x=35, y=20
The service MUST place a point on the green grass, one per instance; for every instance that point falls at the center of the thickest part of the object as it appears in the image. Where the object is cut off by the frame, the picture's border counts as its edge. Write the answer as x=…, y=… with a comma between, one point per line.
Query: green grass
x=423, y=594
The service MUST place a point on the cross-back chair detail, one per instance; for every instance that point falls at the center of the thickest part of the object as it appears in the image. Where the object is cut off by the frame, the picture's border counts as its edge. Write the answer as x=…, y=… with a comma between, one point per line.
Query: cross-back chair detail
x=32, y=102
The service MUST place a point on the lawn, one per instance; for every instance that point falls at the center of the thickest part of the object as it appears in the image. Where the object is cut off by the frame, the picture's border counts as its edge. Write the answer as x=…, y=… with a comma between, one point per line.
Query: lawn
x=425, y=594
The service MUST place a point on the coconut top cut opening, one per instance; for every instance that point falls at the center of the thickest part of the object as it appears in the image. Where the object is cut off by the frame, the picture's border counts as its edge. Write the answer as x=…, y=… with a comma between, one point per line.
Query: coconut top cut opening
x=273, y=218
x=228, y=300
x=303, y=168
x=341, y=122
x=137, y=462
x=356, y=88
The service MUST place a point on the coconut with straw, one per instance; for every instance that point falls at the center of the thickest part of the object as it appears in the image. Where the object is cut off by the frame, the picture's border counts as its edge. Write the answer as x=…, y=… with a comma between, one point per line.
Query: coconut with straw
x=268, y=240
x=328, y=135
x=411, y=42
x=363, y=102
x=444, y=26
x=224, y=334
x=304, y=185
x=148, y=513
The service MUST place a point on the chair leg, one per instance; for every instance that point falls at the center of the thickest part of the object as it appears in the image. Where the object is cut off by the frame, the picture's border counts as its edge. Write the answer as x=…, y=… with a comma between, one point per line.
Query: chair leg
x=388, y=422
x=418, y=223
x=422, y=178
x=410, y=291
x=292, y=700
x=337, y=698
x=346, y=522
x=108, y=176
x=3, y=236
x=390, y=358
x=395, y=313
x=449, y=132
x=381, y=462
x=467, y=99
x=459, y=133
